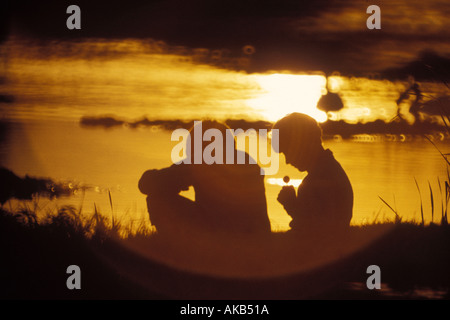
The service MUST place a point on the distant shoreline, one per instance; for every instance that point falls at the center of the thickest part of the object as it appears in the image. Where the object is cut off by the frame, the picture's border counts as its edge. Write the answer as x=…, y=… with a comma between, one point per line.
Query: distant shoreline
x=331, y=129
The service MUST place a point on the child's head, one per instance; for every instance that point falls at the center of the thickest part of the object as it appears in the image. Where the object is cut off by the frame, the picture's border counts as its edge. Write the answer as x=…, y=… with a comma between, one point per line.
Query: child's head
x=300, y=139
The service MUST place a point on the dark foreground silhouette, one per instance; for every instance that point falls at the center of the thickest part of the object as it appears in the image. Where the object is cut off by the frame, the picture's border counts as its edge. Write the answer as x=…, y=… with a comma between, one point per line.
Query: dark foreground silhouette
x=324, y=201
x=36, y=253
x=229, y=198
x=35, y=256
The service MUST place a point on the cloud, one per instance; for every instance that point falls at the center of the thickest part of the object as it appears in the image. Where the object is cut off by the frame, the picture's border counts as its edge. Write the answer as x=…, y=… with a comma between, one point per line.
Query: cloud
x=287, y=34
x=428, y=66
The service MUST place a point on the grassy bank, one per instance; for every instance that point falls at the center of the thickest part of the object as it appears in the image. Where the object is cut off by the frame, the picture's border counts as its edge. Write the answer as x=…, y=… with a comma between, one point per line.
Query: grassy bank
x=414, y=261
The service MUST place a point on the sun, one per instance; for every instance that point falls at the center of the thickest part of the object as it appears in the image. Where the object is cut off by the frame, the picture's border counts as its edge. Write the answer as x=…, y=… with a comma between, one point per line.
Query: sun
x=282, y=94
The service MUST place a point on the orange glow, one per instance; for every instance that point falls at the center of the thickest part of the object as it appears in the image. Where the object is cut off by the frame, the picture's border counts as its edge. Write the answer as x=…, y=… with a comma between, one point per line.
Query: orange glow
x=287, y=93
x=279, y=182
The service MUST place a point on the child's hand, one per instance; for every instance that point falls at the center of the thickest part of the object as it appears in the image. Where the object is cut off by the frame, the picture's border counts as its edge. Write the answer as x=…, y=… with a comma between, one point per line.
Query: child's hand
x=287, y=197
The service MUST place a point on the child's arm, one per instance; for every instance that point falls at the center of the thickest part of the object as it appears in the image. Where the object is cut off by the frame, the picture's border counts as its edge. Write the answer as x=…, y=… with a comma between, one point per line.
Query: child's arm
x=169, y=180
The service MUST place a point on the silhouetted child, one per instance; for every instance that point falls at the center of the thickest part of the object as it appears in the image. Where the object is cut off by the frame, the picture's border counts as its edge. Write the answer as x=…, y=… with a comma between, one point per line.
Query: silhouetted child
x=324, y=199
x=229, y=198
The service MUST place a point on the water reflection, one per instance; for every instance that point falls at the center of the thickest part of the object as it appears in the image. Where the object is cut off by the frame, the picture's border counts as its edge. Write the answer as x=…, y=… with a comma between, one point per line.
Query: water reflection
x=286, y=93
x=280, y=182
x=129, y=79
x=379, y=168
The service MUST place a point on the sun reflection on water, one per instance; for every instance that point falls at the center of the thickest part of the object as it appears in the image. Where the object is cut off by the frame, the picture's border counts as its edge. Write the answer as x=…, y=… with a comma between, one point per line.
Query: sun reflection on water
x=287, y=93
x=279, y=182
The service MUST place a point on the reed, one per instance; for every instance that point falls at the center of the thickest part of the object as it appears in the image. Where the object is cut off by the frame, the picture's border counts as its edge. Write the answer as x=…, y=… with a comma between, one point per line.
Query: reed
x=444, y=206
x=77, y=221
x=445, y=117
x=421, y=202
x=398, y=219
x=432, y=201
x=444, y=220
x=112, y=210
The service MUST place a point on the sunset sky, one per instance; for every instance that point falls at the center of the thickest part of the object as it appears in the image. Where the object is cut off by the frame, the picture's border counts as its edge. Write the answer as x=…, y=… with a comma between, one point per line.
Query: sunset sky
x=286, y=34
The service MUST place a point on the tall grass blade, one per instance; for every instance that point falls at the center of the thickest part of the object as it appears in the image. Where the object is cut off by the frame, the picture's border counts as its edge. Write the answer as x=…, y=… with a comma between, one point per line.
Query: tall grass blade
x=112, y=211
x=448, y=175
x=432, y=201
x=443, y=155
x=447, y=196
x=421, y=202
x=82, y=201
x=97, y=220
x=397, y=217
x=442, y=197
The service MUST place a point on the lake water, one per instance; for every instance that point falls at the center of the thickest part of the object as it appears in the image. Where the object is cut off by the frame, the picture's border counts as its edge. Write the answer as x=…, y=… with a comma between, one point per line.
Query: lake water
x=53, y=86
x=114, y=159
